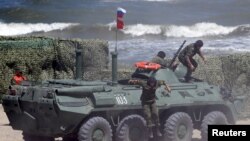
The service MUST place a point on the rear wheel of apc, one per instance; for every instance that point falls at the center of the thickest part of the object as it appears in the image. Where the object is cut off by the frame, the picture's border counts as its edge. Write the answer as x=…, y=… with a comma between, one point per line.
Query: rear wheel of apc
x=29, y=137
x=212, y=118
x=95, y=129
x=132, y=128
x=178, y=127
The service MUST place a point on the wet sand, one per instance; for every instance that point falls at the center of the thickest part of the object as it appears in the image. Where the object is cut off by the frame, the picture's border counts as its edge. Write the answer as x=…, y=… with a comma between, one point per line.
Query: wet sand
x=8, y=134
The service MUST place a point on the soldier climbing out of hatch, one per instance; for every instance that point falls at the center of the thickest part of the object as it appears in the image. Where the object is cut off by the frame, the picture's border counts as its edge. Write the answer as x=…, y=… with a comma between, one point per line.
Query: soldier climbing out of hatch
x=186, y=57
x=148, y=100
x=159, y=59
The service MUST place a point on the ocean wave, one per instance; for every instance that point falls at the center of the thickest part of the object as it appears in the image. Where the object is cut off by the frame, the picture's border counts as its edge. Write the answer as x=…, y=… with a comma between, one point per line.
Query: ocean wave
x=196, y=30
x=10, y=29
x=140, y=29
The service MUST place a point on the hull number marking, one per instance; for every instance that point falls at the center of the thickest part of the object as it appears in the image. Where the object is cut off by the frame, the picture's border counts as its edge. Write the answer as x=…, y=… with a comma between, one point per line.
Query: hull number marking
x=121, y=100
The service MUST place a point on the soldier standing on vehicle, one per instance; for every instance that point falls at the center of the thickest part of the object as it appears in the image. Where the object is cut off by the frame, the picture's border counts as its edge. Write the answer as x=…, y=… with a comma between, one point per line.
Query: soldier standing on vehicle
x=148, y=100
x=186, y=57
x=18, y=77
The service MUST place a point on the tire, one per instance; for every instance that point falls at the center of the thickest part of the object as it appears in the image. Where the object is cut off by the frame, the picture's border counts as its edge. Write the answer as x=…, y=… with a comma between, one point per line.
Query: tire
x=95, y=129
x=178, y=127
x=29, y=137
x=132, y=128
x=211, y=118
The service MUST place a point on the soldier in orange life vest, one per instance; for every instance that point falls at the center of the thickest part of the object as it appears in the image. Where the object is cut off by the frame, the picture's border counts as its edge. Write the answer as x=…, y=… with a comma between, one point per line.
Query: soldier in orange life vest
x=18, y=77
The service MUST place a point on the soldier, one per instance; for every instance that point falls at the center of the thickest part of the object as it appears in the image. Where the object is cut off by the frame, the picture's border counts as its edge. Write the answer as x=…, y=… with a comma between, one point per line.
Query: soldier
x=186, y=57
x=18, y=77
x=148, y=100
x=159, y=59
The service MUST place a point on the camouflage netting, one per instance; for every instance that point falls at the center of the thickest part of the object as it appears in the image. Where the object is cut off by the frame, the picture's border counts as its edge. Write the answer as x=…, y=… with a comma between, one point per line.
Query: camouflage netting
x=231, y=72
x=43, y=58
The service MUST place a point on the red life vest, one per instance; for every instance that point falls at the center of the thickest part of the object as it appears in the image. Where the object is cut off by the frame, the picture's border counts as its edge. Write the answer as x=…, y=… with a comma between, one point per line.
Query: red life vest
x=19, y=79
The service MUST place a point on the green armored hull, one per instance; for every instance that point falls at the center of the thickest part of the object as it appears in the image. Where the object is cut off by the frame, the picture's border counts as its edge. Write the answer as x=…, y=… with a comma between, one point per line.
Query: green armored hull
x=92, y=111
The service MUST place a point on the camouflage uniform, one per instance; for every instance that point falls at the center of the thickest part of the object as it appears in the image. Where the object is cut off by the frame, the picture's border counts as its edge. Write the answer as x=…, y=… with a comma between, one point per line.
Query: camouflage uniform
x=159, y=60
x=148, y=98
x=189, y=51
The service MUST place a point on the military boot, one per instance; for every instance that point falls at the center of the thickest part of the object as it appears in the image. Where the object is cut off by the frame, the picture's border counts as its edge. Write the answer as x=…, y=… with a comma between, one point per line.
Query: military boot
x=158, y=132
x=150, y=132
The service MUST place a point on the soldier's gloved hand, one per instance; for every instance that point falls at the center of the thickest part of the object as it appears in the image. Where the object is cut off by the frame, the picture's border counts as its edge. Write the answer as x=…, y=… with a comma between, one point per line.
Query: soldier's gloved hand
x=167, y=88
x=132, y=81
x=164, y=93
x=205, y=61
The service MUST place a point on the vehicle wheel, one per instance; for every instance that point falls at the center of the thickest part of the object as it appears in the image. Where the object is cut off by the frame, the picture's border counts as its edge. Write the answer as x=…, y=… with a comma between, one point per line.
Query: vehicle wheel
x=95, y=129
x=132, y=128
x=178, y=127
x=29, y=137
x=211, y=118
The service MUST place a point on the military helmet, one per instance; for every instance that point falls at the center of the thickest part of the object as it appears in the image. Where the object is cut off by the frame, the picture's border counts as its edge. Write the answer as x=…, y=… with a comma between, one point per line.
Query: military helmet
x=199, y=43
x=161, y=54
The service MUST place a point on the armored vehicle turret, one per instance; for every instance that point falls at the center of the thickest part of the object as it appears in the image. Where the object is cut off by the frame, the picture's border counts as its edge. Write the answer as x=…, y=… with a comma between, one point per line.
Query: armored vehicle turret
x=105, y=111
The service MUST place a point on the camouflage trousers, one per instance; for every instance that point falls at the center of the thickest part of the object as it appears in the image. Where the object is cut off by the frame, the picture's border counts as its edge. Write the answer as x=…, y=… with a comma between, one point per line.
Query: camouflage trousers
x=189, y=71
x=151, y=113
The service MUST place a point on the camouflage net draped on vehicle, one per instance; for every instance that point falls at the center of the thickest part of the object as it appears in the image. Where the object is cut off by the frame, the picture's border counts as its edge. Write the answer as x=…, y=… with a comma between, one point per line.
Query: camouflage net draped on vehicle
x=43, y=58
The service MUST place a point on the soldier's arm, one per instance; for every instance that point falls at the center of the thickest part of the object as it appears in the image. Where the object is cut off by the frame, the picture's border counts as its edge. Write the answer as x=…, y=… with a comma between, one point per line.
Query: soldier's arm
x=187, y=56
x=202, y=56
x=188, y=61
x=167, y=87
x=135, y=82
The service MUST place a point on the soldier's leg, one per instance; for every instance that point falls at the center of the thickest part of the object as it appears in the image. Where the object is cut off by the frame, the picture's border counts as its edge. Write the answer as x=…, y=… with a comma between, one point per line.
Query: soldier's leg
x=188, y=74
x=155, y=116
x=194, y=63
x=189, y=71
x=147, y=113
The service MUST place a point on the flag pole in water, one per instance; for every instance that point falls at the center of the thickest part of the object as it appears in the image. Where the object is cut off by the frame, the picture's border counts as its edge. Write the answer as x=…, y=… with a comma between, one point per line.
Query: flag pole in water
x=119, y=25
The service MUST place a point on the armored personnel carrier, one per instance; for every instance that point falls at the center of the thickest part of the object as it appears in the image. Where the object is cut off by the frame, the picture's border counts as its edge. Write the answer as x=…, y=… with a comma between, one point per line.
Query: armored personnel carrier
x=105, y=111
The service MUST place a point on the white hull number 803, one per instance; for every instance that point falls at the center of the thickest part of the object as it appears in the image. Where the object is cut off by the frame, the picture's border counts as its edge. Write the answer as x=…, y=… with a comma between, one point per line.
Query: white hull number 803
x=121, y=99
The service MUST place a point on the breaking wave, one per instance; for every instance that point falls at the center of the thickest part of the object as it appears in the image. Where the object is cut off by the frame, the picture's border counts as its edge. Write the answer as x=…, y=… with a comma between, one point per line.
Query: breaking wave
x=197, y=30
x=140, y=29
x=10, y=29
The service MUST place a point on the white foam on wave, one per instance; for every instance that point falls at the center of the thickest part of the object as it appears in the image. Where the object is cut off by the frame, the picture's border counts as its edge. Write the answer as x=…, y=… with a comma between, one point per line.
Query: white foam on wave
x=196, y=30
x=10, y=29
x=141, y=29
